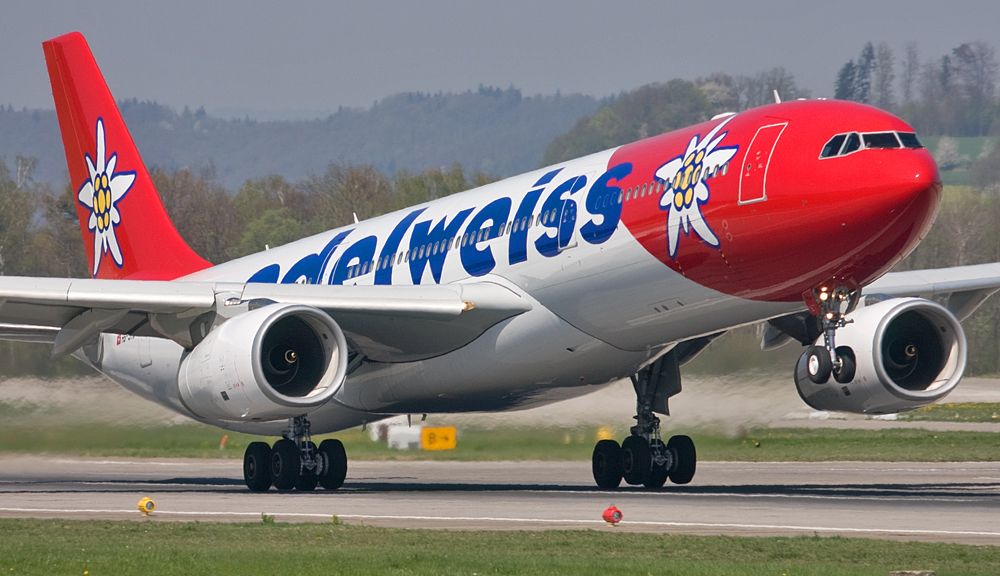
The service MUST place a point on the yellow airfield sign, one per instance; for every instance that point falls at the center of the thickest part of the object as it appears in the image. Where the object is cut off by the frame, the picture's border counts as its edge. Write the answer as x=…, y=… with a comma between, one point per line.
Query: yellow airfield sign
x=443, y=438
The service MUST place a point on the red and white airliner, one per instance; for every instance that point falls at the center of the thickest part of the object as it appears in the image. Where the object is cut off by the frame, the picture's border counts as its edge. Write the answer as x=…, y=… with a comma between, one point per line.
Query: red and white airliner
x=541, y=287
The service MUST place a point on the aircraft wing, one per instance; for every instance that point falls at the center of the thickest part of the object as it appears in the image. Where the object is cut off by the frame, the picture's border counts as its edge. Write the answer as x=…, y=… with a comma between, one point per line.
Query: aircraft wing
x=961, y=289
x=385, y=323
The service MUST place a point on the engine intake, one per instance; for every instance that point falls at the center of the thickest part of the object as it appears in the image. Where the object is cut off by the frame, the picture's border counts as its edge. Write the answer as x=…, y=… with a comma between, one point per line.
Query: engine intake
x=910, y=353
x=276, y=362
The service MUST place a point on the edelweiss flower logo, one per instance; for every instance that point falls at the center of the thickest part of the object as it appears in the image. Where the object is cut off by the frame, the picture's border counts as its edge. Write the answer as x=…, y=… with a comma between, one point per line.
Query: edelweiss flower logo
x=100, y=195
x=686, y=187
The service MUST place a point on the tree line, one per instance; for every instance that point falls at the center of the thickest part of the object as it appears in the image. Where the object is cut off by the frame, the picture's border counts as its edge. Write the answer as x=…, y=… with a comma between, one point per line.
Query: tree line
x=954, y=94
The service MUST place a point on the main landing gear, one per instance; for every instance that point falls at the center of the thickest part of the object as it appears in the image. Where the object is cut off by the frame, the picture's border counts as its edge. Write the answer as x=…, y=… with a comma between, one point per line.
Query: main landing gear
x=295, y=462
x=830, y=359
x=643, y=458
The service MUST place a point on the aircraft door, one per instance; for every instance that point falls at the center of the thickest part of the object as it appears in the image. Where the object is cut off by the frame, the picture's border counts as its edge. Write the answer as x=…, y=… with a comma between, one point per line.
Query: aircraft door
x=567, y=225
x=753, y=178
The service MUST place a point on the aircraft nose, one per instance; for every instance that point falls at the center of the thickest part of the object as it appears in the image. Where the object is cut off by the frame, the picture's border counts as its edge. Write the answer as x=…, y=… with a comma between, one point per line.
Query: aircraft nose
x=884, y=213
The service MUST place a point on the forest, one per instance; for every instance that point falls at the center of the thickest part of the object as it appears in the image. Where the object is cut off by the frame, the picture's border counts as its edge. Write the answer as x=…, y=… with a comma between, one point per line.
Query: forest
x=951, y=99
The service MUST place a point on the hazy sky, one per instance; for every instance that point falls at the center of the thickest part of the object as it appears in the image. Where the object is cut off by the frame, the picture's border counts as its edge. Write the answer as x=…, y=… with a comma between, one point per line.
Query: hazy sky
x=304, y=58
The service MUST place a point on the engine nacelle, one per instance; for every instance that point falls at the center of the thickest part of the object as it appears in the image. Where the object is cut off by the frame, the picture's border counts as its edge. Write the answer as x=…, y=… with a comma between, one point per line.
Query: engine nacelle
x=275, y=362
x=909, y=353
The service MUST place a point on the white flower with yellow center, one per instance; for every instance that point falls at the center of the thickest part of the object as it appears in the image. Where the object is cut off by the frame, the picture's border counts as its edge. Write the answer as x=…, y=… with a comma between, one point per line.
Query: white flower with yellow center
x=686, y=187
x=100, y=194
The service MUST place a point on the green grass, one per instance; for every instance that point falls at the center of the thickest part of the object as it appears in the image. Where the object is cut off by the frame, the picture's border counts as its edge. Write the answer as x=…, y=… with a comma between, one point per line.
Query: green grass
x=786, y=444
x=956, y=412
x=151, y=548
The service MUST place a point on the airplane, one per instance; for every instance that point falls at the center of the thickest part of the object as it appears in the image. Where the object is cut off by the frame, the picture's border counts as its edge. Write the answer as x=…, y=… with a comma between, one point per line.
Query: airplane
x=545, y=286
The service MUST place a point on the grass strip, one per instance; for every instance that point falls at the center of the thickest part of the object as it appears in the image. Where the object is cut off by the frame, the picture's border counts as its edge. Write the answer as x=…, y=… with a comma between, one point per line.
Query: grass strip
x=476, y=444
x=956, y=412
x=152, y=548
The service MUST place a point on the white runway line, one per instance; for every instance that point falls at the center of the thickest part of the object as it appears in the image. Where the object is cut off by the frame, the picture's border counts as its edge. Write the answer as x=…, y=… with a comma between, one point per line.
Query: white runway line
x=524, y=520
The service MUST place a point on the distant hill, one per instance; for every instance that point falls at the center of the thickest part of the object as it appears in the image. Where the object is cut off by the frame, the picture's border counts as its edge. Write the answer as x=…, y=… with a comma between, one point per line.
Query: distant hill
x=646, y=111
x=492, y=130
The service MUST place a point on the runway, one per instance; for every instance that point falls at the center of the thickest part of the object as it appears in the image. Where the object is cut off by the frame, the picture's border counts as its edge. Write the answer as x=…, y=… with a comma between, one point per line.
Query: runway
x=940, y=502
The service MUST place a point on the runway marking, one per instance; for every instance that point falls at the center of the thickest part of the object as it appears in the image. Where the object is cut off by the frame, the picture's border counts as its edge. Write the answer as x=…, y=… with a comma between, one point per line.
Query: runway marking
x=737, y=495
x=524, y=520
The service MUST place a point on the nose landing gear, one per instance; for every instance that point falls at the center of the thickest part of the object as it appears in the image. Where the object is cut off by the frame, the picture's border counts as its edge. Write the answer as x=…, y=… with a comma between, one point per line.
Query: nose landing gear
x=643, y=459
x=295, y=461
x=822, y=361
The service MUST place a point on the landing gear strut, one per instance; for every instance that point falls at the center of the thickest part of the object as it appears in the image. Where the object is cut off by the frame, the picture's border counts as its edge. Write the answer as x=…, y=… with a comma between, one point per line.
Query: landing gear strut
x=643, y=458
x=822, y=361
x=295, y=461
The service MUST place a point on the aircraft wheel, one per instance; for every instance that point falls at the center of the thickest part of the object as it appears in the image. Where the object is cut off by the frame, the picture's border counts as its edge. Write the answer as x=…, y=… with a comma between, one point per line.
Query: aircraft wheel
x=818, y=364
x=848, y=365
x=334, y=469
x=658, y=474
x=257, y=467
x=607, y=464
x=309, y=478
x=285, y=464
x=636, y=460
x=686, y=459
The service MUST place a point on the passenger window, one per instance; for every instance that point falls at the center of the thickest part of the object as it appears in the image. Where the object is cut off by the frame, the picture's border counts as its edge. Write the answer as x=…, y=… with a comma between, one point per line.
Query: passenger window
x=909, y=140
x=881, y=140
x=833, y=146
x=725, y=168
x=852, y=144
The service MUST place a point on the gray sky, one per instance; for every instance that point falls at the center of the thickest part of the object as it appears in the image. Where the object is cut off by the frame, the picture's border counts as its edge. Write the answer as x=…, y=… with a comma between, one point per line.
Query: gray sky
x=305, y=58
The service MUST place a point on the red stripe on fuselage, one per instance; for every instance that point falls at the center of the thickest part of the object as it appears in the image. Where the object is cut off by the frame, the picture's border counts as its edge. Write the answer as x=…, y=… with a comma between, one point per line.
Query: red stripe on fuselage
x=844, y=220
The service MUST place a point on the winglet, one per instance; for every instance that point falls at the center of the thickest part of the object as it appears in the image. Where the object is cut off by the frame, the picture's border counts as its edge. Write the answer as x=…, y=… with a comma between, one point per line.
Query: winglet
x=126, y=230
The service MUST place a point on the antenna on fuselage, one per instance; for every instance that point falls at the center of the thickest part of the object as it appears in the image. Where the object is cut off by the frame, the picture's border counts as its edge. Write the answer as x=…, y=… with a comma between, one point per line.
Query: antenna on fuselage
x=777, y=99
x=355, y=217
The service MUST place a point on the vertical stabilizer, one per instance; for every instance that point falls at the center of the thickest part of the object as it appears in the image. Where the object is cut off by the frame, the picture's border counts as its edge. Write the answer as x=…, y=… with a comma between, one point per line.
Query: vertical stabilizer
x=125, y=228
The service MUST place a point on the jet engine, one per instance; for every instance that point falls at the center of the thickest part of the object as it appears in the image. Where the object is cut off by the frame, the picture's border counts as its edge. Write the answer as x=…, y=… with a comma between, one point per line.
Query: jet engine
x=906, y=353
x=275, y=362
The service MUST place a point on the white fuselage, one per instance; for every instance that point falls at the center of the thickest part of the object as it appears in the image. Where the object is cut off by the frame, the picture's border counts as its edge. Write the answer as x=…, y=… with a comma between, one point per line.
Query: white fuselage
x=601, y=310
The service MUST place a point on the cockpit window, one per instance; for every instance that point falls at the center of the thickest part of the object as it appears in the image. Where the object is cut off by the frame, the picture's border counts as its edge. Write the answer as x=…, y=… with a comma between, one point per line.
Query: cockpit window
x=881, y=140
x=852, y=144
x=833, y=146
x=909, y=140
x=844, y=144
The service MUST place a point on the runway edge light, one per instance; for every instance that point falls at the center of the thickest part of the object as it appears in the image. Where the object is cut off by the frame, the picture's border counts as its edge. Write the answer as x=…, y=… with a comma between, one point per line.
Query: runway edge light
x=146, y=506
x=612, y=516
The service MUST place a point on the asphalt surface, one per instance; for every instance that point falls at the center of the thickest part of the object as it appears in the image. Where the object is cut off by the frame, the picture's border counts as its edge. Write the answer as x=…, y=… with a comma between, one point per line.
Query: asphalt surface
x=940, y=502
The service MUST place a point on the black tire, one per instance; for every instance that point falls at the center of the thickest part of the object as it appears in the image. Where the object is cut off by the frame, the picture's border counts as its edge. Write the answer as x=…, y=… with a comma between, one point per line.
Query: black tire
x=686, y=459
x=848, y=365
x=257, y=467
x=607, y=464
x=637, y=460
x=308, y=478
x=285, y=464
x=658, y=474
x=818, y=364
x=334, y=464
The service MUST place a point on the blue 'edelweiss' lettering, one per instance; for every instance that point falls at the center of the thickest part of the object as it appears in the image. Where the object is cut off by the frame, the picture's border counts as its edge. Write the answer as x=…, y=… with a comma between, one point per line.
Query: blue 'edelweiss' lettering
x=430, y=246
x=431, y=242
x=481, y=262
x=361, y=252
x=385, y=264
x=559, y=213
x=605, y=200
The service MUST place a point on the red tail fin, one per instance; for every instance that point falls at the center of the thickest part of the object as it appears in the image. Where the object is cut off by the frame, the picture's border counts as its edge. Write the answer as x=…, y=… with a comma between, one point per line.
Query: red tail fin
x=125, y=229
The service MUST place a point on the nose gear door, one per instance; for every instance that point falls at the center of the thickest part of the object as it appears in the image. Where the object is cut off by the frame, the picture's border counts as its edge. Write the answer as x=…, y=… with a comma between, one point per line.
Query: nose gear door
x=753, y=179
